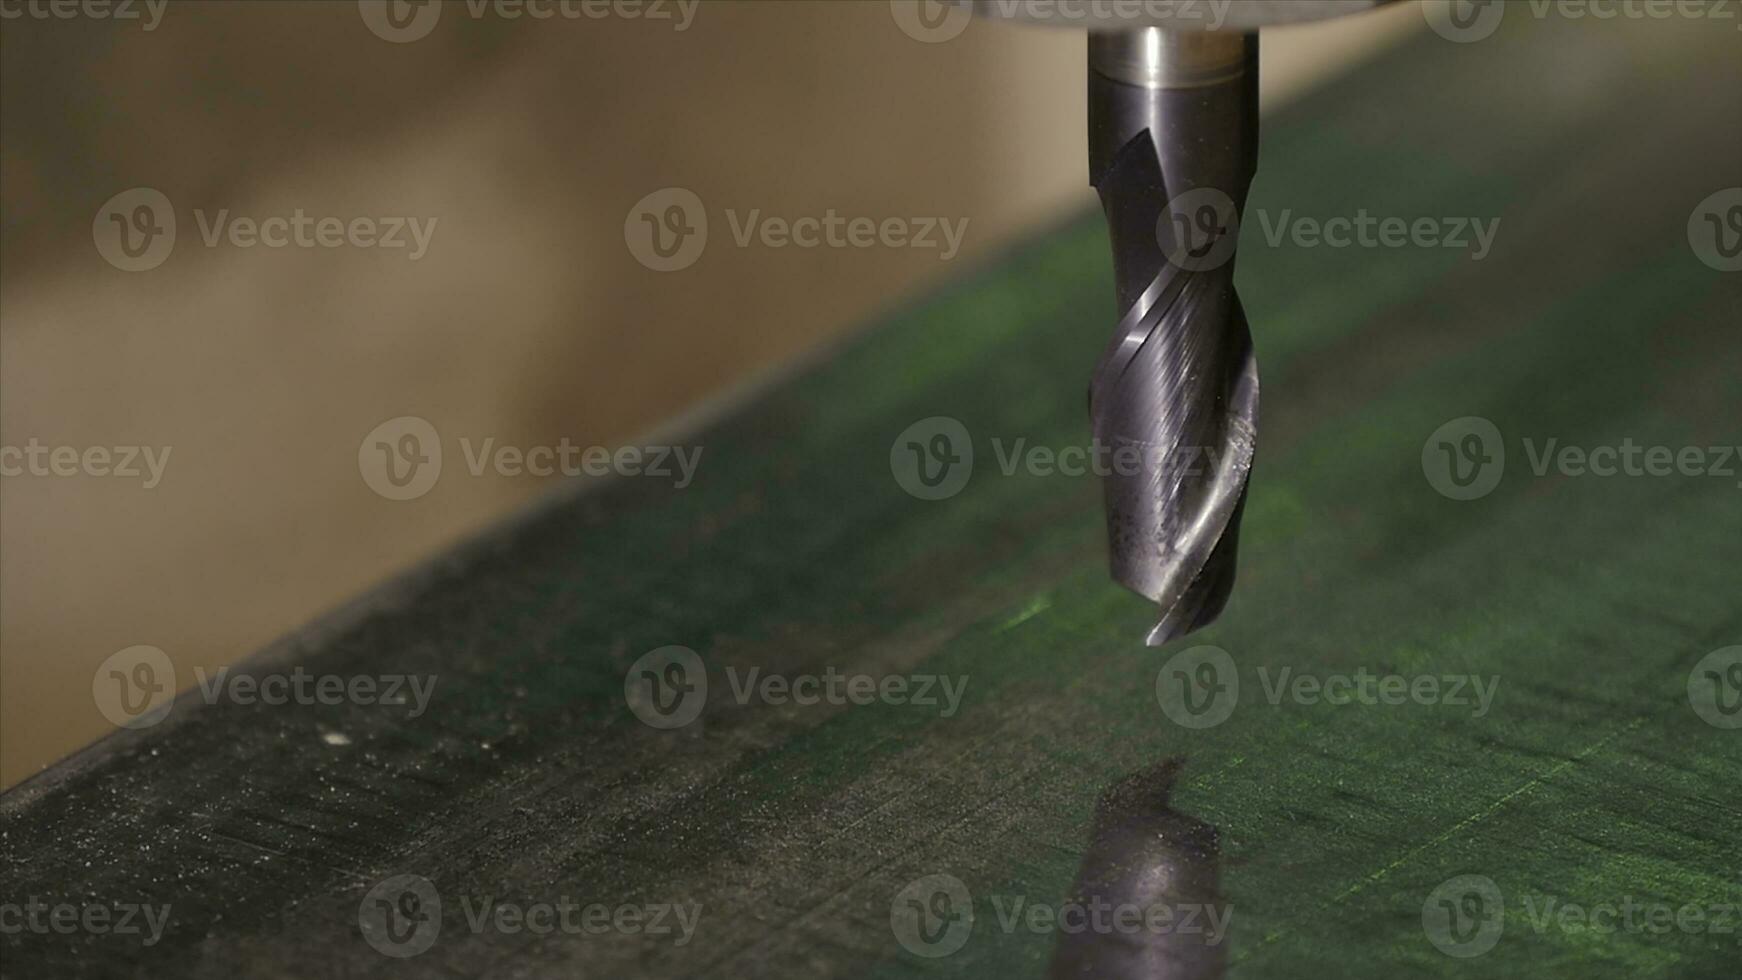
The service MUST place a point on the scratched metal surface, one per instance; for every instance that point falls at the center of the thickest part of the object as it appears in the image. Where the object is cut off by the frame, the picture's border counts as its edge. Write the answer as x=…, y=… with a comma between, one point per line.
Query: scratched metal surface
x=1588, y=780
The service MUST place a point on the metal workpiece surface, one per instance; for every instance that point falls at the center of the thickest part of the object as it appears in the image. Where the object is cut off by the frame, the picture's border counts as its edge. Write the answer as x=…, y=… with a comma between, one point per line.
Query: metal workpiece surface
x=817, y=839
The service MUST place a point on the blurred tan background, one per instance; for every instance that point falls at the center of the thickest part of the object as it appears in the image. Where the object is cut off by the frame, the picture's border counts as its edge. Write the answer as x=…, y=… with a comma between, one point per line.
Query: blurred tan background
x=528, y=141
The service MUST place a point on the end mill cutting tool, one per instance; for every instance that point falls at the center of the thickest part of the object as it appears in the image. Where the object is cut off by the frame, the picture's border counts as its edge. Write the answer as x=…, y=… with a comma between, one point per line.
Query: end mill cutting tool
x=1173, y=148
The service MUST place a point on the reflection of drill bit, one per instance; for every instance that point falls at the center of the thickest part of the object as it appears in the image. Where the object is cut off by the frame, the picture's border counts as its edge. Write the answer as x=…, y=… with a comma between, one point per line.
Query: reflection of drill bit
x=1173, y=121
x=1145, y=856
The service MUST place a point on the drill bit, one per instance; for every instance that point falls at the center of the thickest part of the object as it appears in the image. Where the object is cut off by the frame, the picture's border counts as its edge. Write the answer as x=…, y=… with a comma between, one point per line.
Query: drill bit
x=1173, y=140
x=1173, y=125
